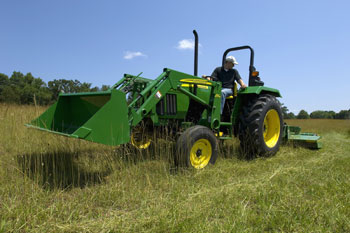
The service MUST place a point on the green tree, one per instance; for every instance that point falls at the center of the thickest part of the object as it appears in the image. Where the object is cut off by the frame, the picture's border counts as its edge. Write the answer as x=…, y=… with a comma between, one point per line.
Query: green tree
x=34, y=88
x=10, y=87
x=23, y=89
x=303, y=115
x=330, y=114
x=343, y=114
x=9, y=94
x=318, y=114
x=105, y=87
x=84, y=87
x=58, y=86
x=26, y=89
x=4, y=81
x=17, y=79
x=94, y=89
x=284, y=111
x=290, y=115
x=322, y=114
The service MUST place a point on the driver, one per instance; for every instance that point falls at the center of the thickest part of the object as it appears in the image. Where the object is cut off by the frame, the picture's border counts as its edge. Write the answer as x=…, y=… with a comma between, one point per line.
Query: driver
x=227, y=76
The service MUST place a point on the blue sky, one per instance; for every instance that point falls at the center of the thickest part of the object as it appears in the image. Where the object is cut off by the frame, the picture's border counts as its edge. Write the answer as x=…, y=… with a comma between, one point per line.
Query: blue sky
x=301, y=47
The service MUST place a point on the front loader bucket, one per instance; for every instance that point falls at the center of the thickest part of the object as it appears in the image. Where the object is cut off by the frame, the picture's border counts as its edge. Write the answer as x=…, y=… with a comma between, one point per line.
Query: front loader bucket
x=310, y=140
x=100, y=117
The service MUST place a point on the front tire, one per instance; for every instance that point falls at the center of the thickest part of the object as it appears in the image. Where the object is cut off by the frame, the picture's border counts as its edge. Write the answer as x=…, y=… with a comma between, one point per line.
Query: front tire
x=196, y=148
x=141, y=136
x=261, y=125
x=140, y=139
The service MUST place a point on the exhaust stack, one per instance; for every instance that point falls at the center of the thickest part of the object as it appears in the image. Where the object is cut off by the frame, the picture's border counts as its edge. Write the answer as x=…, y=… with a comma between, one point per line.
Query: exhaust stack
x=195, y=53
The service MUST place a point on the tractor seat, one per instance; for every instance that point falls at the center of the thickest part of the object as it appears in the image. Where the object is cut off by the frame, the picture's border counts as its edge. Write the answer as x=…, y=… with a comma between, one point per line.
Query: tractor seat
x=234, y=93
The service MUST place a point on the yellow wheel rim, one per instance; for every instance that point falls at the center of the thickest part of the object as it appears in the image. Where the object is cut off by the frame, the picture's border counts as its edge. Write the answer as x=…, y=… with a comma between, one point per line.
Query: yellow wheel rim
x=140, y=139
x=200, y=153
x=271, y=128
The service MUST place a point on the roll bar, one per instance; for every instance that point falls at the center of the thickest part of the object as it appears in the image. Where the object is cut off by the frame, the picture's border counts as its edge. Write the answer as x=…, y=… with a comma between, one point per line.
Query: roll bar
x=251, y=64
x=252, y=81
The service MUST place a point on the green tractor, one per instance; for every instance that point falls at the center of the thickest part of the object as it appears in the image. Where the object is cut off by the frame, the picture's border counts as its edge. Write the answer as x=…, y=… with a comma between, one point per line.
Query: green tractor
x=186, y=105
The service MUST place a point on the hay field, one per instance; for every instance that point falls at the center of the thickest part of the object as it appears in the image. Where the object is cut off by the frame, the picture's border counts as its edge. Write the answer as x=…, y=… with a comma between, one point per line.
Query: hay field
x=50, y=183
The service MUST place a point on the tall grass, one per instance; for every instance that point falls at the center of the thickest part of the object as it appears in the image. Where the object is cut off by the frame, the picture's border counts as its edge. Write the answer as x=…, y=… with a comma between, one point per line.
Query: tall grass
x=321, y=125
x=50, y=183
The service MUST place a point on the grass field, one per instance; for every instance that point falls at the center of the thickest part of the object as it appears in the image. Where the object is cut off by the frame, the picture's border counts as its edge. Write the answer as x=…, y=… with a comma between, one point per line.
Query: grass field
x=50, y=183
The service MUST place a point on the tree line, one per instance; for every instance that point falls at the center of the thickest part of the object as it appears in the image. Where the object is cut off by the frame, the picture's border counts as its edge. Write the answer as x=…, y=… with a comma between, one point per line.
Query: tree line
x=343, y=114
x=26, y=89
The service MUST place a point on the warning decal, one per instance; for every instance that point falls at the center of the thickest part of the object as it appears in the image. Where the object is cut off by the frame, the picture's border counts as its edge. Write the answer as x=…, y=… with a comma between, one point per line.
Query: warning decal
x=158, y=94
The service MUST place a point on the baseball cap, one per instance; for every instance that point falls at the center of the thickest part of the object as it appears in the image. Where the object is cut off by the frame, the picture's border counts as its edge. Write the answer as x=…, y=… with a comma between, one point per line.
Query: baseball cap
x=231, y=59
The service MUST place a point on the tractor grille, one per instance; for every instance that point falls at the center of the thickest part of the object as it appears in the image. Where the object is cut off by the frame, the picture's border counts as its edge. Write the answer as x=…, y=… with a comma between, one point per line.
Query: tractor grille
x=160, y=107
x=170, y=103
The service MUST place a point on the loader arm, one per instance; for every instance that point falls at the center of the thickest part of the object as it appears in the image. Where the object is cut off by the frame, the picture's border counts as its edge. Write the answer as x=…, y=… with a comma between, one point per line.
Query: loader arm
x=170, y=80
x=151, y=95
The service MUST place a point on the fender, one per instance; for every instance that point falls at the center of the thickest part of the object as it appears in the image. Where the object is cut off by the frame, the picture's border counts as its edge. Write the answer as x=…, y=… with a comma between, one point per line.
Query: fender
x=259, y=90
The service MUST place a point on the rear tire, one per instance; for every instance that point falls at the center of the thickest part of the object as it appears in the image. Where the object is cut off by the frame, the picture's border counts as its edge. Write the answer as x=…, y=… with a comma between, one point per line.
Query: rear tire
x=196, y=147
x=260, y=126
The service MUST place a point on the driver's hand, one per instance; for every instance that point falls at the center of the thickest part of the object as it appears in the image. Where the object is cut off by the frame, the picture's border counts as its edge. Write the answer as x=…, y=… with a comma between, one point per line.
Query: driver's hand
x=243, y=86
x=206, y=77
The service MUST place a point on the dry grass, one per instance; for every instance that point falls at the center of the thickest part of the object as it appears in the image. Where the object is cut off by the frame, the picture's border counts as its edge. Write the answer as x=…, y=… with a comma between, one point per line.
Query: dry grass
x=321, y=125
x=50, y=183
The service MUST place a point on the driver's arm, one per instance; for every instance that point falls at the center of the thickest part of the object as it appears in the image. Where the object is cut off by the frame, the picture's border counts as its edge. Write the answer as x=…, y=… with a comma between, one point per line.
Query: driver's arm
x=239, y=79
x=243, y=86
x=214, y=75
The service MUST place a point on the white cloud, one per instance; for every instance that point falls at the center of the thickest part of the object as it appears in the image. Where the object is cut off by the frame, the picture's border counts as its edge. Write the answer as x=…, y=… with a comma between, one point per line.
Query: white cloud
x=185, y=44
x=130, y=55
